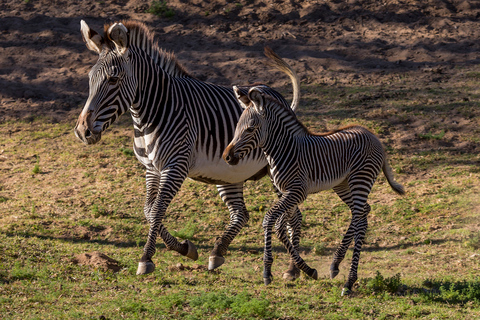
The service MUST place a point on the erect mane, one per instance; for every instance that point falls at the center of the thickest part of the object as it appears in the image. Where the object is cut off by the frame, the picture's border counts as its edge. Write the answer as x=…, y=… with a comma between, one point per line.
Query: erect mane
x=276, y=104
x=139, y=36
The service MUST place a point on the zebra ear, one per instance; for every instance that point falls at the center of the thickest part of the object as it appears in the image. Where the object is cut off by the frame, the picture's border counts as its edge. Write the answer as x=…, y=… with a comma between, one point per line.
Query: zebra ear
x=241, y=97
x=118, y=33
x=92, y=39
x=256, y=96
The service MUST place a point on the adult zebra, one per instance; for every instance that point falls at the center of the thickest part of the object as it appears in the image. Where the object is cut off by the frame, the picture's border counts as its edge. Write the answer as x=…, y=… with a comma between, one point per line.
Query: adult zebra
x=347, y=160
x=181, y=127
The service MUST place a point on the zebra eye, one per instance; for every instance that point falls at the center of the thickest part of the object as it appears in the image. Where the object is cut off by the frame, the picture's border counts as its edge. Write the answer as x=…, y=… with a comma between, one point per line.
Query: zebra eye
x=250, y=129
x=113, y=80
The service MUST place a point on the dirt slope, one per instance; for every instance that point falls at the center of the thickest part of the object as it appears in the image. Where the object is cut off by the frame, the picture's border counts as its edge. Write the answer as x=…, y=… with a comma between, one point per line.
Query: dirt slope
x=44, y=63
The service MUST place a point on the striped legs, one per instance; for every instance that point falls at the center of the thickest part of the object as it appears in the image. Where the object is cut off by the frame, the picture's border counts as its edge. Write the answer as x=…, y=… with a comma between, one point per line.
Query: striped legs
x=232, y=196
x=278, y=215
x=294, y=231
x=160, y=191
x=356, y=199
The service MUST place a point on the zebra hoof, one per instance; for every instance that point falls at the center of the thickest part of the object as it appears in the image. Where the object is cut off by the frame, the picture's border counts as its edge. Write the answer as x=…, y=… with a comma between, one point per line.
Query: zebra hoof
x=346, y=292
x=314, y=274
x=334, y=272
x=192, y=250
x=215, y=262
x=145, y=267
x=267, y=281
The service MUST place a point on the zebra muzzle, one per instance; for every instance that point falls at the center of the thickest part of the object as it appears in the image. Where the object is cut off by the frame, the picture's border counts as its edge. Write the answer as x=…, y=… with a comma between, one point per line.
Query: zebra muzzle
x=230, y=156
x=84, y=131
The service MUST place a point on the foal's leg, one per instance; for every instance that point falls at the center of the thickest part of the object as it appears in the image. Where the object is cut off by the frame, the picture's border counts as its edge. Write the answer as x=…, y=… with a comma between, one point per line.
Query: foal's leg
x=355, y=196
x=294, y=231
x=280, y=230
x=343, y=191
x=294, y=225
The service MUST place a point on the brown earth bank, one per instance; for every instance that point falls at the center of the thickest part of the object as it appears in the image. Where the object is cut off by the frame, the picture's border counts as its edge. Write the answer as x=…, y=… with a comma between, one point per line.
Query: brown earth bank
x=44, y=62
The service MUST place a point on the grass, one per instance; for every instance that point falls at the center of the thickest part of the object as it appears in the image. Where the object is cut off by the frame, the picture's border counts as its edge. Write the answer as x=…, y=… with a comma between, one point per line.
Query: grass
x=420, y=258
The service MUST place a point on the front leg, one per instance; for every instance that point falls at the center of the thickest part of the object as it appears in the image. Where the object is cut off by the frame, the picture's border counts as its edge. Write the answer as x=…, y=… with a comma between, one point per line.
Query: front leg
x=287, y=202
x=280, y=230
x=294, y=230
x=161, y=188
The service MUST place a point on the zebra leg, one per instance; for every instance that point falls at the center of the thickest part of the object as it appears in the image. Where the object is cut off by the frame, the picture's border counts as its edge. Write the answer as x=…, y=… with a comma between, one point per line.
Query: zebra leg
x=293, y=227
x=166, y=185
x=294, y=230
x=280, y=230
x=361, y=225
x=268, y=222
x=286, y=204
x=232, y=196
x=343, y=191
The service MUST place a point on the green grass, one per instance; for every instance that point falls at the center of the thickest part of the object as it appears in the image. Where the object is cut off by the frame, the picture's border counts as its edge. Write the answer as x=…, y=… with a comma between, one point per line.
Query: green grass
x=420, y=258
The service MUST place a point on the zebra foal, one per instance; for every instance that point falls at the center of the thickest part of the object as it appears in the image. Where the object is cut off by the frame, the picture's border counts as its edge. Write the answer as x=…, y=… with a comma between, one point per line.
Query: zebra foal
x=301, y=163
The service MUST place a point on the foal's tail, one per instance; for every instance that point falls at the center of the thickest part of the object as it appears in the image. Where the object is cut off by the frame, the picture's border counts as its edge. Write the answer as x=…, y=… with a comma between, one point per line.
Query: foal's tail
x=387, y=171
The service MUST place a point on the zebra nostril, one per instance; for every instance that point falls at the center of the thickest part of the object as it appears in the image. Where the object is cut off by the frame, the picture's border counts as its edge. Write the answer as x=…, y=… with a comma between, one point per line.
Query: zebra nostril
x=88, y=133
x=228, y=158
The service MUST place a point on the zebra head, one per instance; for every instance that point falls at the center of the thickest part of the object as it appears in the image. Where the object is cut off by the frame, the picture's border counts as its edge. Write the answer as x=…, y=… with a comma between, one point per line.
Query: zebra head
x=250, y=132
x=111, y=81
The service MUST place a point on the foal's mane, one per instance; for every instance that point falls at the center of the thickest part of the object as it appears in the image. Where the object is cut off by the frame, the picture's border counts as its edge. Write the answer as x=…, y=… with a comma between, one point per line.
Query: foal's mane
x=142, y=38
x=276, y=104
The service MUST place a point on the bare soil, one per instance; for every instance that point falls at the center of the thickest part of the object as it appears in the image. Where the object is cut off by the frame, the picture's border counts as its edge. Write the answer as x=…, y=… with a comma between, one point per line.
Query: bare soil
x=44, y=62
x=97, y=260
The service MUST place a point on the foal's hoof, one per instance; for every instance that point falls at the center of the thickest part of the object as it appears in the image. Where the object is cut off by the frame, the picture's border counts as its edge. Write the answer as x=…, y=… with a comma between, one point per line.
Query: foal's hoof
x=192, y=250
x=145, y=267
x=334, y=272
x=314, y=274
x=215, y=262
x=346, y=292
x=267, y=281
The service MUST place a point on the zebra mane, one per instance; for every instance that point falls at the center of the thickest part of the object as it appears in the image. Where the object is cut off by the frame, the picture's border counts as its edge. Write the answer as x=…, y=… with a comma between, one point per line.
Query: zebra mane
x=275, y=104
x=141, y=37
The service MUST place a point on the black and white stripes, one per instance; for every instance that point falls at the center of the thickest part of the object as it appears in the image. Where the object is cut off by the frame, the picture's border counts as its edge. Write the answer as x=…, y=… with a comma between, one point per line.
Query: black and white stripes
x=182, y=125
x=347, y=160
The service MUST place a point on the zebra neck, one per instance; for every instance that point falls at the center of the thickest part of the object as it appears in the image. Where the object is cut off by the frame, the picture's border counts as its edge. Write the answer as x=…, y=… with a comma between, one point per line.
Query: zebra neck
x=153, y=98
x=282, y=139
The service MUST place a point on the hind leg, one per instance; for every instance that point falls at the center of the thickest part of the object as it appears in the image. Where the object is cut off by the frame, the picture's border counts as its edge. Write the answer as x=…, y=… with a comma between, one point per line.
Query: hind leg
x=343, y=191
x=232, y=195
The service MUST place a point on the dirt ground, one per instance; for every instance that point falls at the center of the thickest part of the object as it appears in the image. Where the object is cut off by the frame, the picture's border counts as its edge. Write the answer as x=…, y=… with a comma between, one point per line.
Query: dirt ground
x=44, y=62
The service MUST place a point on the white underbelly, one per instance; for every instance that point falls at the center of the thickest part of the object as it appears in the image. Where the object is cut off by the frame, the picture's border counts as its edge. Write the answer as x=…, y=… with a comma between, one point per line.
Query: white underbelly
x=220, y=171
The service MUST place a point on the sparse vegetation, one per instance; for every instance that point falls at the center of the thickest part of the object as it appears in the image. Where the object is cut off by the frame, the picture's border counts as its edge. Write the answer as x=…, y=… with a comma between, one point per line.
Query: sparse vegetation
x=96, y=203
x=161, y=9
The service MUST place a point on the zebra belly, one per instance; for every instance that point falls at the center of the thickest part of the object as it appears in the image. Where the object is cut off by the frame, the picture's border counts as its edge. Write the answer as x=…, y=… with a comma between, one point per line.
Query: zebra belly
x=317, y=186
x=219, y=172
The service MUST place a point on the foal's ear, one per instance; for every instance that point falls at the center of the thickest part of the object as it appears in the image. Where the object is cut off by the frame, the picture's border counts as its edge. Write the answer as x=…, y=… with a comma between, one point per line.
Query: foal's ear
x=241, y=97
x=118, y=33
x=92, y=39
x=256, y=97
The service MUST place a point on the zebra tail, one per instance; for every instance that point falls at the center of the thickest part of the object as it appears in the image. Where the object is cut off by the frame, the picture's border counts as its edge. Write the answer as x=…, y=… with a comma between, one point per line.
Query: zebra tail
x=387, y=171
x=280, y=64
